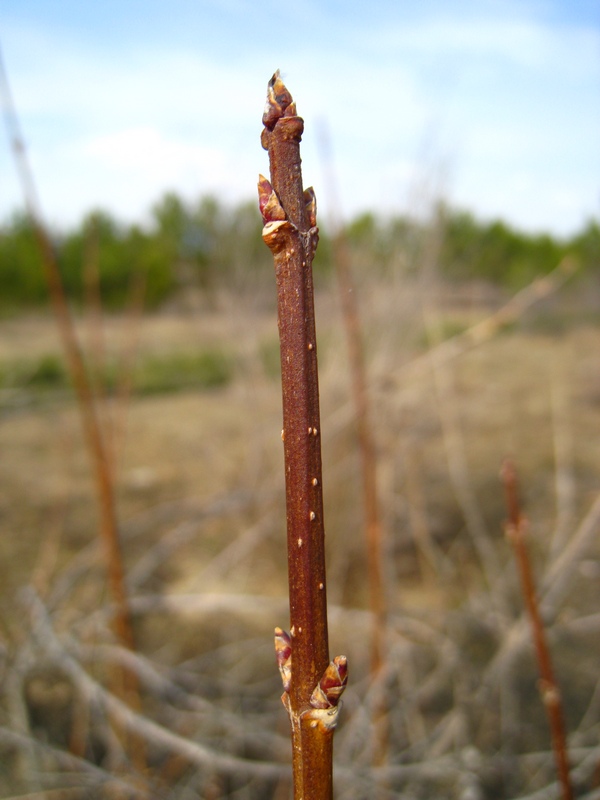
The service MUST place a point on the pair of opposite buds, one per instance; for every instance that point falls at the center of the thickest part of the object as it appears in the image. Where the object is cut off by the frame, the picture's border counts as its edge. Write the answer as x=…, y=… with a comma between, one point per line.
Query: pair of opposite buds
x=326, y=694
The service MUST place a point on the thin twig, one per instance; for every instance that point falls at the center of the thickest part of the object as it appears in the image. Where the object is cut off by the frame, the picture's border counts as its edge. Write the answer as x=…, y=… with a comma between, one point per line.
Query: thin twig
x=564, y=480
x=89, y=412
x=368, y=455
x=128, y=719
x=81, y=382
x=487, y=328
x=549, y=690
x=453, y=439
x=125, y=368
x=360, y=395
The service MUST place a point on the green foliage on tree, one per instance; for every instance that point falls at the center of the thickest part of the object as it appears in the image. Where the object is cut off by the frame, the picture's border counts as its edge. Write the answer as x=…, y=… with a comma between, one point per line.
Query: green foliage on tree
x=21, y=277
x=586, y=245
x=208, y=245
x=495, y=252
x=112, y=254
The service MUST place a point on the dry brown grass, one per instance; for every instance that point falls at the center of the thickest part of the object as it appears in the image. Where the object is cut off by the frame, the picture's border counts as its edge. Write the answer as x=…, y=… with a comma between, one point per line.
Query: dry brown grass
x=200, y=498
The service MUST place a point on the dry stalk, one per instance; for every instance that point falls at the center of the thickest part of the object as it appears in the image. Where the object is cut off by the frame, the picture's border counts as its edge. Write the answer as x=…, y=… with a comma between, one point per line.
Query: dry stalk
x=91, y=424
x=79, y=376
x=313, y=688
x=96, y=345
x=127, y=356
x=368, y=461
x=366, y=439
x=448, y=409
x=483, y=331
x=564, y=481
x=126, y=718
x=549, y=690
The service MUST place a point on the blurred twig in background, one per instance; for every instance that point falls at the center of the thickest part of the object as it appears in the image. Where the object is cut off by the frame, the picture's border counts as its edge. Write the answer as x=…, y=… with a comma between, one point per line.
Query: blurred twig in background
x=90, y=419
x=549, y=690
x=367, y=450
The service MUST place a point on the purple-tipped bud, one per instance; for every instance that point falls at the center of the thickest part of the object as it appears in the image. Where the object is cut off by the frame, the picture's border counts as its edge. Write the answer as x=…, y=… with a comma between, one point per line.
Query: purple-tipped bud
x=268, y=202
x=331, y=686
x=283, y=645
x=278, y=101
x=283, y=652
x=310, y=201
x=265, y=190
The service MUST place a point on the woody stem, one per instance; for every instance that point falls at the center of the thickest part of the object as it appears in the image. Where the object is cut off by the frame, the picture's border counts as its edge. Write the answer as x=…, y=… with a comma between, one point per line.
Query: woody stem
x=293, y=243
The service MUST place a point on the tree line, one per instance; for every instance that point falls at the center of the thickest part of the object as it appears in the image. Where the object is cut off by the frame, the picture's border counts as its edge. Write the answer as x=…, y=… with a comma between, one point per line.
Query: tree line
x=209, y=245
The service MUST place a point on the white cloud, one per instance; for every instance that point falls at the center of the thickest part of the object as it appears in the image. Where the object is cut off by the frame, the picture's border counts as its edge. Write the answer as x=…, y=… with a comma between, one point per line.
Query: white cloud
x=502, y=96
x=144, y=149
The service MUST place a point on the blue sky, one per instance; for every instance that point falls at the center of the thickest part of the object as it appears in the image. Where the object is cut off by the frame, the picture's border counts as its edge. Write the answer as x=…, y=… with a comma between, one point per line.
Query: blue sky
x=495, y=106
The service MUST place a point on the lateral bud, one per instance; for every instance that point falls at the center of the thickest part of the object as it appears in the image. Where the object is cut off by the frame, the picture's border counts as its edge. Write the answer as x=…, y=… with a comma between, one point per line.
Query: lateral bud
x=276, y=235
x=283, y=652
x=330, y=688
x=268, y=202
x=310, y=202
x=325, y=700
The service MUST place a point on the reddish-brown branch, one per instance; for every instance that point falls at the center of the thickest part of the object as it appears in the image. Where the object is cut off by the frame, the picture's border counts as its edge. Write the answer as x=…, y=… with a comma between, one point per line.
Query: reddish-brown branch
x=290, y=232
x=549, y=690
